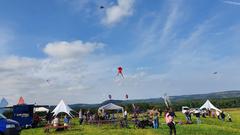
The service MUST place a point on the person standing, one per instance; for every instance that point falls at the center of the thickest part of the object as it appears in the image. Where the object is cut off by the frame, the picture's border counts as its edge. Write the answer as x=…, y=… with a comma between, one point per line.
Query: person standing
x=218, y=114
x=197, y=113
x=155, y=120
x=125, y=118
x=170, y=122
x=222, y=116
x=80, y=117
x=56, y=121
x=65, y=121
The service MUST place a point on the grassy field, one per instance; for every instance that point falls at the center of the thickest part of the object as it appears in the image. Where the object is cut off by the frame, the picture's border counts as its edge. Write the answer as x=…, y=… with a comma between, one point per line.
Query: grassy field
x=209, y=126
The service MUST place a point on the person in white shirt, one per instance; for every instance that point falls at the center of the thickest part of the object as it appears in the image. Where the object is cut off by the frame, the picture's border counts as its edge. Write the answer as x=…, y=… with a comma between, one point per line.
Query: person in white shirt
x=125, y=118
x=55, y=121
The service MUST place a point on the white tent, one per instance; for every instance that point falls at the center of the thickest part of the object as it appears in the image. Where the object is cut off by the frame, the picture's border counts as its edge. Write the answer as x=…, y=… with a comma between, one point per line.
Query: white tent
x=110, y=106
x=41, y=109
x=208, y=105
x=62, y=107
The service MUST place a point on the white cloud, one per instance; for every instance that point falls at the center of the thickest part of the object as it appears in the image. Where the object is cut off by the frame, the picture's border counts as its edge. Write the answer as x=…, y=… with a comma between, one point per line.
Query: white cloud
x=232, y=2
x=63, y=49
x=117, y=12
x=71, y=77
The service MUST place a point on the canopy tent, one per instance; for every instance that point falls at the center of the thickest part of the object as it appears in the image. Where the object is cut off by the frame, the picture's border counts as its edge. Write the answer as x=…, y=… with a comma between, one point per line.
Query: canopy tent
x=41, y=109
x=110, y=106
x=3, y=103
x=21, y=101
x=62, y=107
x=208, y=105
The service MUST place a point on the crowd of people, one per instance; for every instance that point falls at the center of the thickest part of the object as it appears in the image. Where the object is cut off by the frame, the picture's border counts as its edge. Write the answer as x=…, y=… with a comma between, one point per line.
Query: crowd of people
x=221, y=115
x=151, y=118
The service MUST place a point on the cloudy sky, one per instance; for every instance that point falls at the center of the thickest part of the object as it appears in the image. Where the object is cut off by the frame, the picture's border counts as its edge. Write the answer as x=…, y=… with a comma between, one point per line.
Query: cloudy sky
x=70, y=49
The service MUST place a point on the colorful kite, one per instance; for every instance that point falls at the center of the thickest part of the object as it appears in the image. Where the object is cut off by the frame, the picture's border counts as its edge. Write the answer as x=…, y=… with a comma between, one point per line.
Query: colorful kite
x=120, y=72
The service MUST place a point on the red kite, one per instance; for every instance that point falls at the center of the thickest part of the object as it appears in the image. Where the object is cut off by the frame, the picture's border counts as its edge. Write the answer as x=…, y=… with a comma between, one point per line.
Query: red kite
x=120, y=71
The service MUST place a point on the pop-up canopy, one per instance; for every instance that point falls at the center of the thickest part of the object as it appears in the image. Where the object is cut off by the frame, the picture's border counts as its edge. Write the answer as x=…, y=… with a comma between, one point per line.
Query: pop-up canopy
x=62, y=107
x=21, y=101
x=110, y=106
x=208, y=105
x=41, y=109
x=3, y=103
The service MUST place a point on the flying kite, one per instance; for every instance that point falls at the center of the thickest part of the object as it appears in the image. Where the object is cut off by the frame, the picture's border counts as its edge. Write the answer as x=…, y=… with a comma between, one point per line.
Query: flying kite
x=215, y=73
x=48, y=81
x=120, y=71
x=101, y=7
x=167, y=100
x=110, y=97
x=126, y=96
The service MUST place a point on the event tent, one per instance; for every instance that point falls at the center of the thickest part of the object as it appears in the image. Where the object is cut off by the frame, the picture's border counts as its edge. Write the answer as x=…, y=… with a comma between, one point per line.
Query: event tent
x=21, y=101
x=3, y=103
x=110, y=106
x=62, y=107
x=41, y=109
x=208, y=105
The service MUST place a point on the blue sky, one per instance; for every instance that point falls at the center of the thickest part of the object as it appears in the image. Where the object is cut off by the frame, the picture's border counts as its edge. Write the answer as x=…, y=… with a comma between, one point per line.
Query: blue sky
x=165, y=46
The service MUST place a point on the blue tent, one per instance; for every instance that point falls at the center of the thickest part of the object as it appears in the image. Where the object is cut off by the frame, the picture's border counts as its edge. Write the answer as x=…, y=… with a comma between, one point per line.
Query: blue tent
x=3, y=103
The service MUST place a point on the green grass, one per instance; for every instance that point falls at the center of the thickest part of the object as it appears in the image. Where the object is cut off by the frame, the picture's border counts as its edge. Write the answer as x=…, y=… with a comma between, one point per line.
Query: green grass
x=209, y=126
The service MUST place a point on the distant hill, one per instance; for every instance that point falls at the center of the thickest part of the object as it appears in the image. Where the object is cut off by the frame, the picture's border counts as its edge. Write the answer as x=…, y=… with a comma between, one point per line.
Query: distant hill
x=214, y=95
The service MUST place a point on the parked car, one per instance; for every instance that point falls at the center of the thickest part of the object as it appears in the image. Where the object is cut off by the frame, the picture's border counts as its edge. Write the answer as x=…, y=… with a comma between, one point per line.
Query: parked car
x=184, y=109
x=8, y=126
